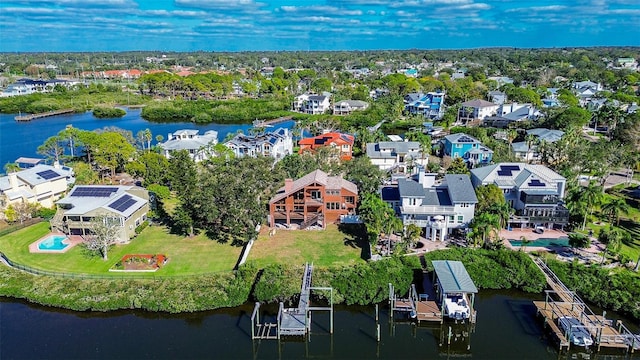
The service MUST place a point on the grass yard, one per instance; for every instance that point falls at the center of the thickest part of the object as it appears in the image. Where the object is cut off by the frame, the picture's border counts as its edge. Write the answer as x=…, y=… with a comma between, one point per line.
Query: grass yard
x=321, y=247
x=186, y=255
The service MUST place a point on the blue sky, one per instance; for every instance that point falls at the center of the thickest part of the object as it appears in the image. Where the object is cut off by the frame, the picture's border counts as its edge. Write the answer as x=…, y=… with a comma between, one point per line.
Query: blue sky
x=236, y=25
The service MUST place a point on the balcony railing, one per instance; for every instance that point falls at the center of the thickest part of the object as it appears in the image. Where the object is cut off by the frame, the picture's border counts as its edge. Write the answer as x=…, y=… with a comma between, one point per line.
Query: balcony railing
x=428, y=210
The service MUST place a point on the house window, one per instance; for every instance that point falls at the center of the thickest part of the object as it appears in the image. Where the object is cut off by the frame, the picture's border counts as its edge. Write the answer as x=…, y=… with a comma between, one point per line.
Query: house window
x=349, y=199
x=458, y=146
x=464, y=205
x=281, y=207
x=298, y=208
x=451, y=219
x=315, y=194
x=333, y=192
x=73, y=218
x=460, y=219
x=298, y=196
x=333, y=206
x=412, y=201
x=86, y=218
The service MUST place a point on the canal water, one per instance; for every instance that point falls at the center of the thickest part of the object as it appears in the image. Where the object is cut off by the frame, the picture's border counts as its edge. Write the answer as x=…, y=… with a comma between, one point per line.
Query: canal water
x=507, y=328
x=23, y=138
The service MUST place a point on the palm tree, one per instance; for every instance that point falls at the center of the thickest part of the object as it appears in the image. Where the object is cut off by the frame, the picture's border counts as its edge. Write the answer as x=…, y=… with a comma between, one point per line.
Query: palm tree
x=613, y=238
x=531, y=141
x=591, y=196
x=614, y=208
x=484, y=224
x=524, y=242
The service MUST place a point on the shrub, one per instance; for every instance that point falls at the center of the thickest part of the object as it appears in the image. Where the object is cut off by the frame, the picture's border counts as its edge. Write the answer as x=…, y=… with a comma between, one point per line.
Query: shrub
x=104, y=112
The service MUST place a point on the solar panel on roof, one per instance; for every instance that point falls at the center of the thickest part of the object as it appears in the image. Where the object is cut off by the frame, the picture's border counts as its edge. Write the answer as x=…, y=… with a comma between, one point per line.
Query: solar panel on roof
x=504, y=173
x=93, y=191
x=48, y=174
x=536, y=182
x=123, y=203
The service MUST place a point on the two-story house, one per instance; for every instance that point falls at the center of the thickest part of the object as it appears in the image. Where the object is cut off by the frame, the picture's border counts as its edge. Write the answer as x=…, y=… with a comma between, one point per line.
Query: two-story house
x=346, y=107
x=510, y=113
x=127, y=205
x=190, y=140
x=342, y=144
x=397, y=156
x=312, y=103
x=476, y=110
x=314, y=199
x=40, y=184
x=466, y=147
x=276, y=144
x=429, y=105
x=436, y=208
x=534, y=191
x=586, y=90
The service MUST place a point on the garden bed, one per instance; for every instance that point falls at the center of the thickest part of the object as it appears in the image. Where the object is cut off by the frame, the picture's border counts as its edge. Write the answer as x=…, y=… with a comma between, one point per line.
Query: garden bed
x=140, y=263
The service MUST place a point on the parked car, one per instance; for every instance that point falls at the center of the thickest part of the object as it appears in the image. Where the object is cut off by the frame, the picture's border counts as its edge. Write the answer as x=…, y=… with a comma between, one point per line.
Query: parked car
x=538, y=229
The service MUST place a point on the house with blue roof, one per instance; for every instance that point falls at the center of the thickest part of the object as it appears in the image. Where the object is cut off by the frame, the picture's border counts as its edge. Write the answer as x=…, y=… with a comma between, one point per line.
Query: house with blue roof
x=429, y=105
x=437, y=208
x=535, y=192
x=468, y=148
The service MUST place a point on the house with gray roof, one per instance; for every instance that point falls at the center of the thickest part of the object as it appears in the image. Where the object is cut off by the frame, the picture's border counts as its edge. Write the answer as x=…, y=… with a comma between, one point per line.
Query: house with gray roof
x=397, y=156
x=127, y=205
x=312, y=103
x=497, y=97
x=528, y=151
x=510, y=113
x=346, y=107
x=438, y=208
x=476, y=110
x=190, y=140
x=40, y=184
x=534, y=191
x=466, y=147
x=276, y=144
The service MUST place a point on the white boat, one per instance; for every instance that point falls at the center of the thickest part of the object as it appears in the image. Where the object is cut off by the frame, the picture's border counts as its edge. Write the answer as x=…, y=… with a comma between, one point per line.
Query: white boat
x=579, y=335
x=456, y=306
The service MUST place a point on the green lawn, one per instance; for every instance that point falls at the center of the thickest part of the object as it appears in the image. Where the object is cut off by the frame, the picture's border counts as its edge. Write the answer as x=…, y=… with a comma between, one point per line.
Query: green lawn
x=186, y=255
x=321, y=247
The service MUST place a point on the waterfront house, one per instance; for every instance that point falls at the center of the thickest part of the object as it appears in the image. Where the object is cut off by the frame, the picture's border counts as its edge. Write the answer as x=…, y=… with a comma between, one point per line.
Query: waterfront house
x=25, y=86
x=397, y=156
x=436, y=208
x=128, y=205
x=190, y=140
x=276, y=144
x=40, y=184
x=535, y=192
x=429, y=105
x=27, y=162
x=312, y=103
x=466, y=147
x=346, y=107
x=313, y=200
x=341, y=143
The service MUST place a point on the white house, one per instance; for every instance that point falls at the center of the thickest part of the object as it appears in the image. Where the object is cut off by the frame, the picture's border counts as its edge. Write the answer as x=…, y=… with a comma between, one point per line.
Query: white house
x=40, y=184
x=27, y=86
x=534, y=191
x=191, y=141
x=476, y=110
x=436, y=208
x=276, y=144
x=346, y=107
x=312, y=103
x=397, y=156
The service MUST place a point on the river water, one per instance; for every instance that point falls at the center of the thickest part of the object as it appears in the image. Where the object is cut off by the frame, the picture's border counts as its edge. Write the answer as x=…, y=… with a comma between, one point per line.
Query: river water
x=507, y=328
x=23, y=138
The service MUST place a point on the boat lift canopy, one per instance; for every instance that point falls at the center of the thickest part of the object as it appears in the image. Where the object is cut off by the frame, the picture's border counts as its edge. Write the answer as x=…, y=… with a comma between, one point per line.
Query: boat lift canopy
x=453, y=277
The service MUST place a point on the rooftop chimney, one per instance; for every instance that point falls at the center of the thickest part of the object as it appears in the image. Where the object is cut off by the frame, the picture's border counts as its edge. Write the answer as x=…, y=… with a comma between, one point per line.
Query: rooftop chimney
x=426, y=179
x=288, y=185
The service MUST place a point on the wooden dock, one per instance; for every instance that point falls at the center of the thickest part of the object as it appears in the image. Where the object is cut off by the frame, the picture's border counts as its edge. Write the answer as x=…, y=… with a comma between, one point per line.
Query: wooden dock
x=264, y=123
x=415, y=306
x=44, y=114
x=560, y=301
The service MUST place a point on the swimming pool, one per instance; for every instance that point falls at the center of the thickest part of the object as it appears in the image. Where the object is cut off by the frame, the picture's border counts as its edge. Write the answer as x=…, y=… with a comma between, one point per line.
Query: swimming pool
x=543, y=242
x=53, y=243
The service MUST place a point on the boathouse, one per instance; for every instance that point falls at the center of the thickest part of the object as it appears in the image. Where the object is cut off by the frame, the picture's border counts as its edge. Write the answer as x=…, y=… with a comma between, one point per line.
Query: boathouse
x=456, y=291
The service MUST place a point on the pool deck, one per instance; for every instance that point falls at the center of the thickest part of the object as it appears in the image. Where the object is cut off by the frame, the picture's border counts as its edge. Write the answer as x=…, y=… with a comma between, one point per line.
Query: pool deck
x=72, y=240
x=516, y=234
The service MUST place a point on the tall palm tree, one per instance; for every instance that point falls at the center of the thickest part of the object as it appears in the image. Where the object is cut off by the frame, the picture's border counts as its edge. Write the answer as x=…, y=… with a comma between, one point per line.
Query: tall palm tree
x=591, y=196
x=523, y=243
x=614, y=207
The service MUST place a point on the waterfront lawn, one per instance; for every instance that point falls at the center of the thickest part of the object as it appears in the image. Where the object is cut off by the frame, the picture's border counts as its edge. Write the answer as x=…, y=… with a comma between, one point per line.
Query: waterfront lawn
x=320, y=247
x=186, y=255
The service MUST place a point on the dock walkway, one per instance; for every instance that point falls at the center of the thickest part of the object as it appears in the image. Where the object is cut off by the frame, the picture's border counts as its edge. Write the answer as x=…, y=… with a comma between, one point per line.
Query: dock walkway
x=560, y=302
x=264, y=123
x=44, y=114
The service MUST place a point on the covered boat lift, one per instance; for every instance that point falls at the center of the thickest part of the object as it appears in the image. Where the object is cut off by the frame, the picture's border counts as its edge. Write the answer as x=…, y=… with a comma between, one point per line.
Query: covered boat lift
x=452, y=279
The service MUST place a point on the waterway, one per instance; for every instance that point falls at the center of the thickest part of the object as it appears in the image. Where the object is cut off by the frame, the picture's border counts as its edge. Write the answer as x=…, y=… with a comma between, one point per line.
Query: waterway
x=507, y=328
x=23, y=138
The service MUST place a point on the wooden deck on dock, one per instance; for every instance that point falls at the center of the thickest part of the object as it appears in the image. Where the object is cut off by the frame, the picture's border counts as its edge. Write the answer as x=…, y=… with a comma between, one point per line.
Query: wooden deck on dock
x=44, y=114
x=428, y=311
x=263, y=123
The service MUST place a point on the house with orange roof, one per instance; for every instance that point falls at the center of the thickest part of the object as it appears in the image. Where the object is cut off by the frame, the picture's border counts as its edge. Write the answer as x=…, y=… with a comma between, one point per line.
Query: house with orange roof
x=313, y=200
x=342, y=143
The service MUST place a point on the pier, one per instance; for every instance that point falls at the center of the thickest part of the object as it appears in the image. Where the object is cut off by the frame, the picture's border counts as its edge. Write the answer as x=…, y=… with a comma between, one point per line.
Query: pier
x=265, y=123
x=292, y=321
x=560, y=301
x=416, y=306
x=44, y=114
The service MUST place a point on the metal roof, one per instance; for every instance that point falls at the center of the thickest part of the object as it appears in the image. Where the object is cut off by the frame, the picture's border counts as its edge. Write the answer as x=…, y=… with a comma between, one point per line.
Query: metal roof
x=453, y=277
